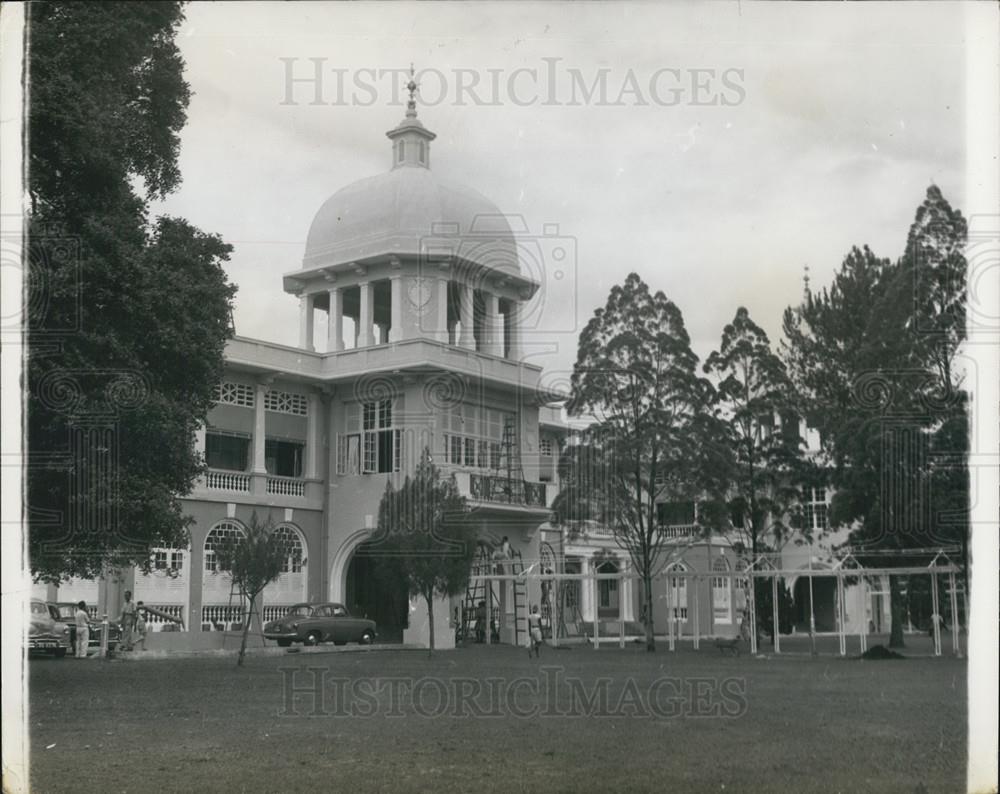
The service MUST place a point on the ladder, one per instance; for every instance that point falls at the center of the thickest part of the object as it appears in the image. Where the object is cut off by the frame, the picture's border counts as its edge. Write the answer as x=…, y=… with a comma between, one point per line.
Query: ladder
x=509, y=470
x=568, y=605
x=484, y=564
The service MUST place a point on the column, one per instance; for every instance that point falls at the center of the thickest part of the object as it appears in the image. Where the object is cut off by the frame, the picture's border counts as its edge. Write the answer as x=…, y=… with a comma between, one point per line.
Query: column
x=259, y=465
x=625, y=597
x=467, y=339
x=312, y=435
x=306, y=304
x=396, y=307
x=442, y=307
x=365, y=337
x=494, y=333
x=335, y=332
x=514, y=325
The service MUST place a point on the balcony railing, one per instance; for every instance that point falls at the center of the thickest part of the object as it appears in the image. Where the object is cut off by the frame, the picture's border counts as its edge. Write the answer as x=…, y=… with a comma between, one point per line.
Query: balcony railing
x=285, y=486
x=500, y=490
x=680, y=530
x=234, y=482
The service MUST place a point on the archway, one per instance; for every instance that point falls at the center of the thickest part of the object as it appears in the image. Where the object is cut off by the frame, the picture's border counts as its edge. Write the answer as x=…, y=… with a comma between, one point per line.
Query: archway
x=371, y=590
x=824, y=594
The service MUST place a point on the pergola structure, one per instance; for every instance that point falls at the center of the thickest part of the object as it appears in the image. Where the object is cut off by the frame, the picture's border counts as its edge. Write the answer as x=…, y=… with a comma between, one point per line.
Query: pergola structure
x=845, y=569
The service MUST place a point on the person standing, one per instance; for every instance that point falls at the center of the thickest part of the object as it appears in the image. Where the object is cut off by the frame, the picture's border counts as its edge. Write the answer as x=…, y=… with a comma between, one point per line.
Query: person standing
x=140, y=627
x=128, y=617
x=82, y=620
x=535, y=632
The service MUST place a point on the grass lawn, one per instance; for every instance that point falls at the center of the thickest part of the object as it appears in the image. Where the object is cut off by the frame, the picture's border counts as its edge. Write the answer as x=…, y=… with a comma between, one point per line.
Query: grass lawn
x=720, y=724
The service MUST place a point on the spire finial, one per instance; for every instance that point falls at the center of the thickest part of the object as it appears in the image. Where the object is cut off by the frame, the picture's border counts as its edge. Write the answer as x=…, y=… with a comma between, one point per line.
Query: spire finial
x=412, y=86
x=805, y=279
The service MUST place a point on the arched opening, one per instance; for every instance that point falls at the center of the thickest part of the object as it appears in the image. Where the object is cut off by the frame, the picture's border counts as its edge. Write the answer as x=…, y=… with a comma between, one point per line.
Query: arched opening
x=824, y=600
x=608, y=596
x=291, y=586
x=372, y=590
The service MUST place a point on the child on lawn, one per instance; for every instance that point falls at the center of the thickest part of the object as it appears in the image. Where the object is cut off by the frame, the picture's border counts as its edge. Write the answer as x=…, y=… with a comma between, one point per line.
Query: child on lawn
x=534, y=632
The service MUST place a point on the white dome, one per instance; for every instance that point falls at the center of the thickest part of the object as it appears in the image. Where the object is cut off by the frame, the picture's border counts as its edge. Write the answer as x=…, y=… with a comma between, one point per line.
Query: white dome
x=409, y=211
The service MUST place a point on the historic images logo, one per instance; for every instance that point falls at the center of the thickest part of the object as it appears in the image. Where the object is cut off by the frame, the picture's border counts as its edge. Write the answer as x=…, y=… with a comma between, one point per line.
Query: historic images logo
x=313, y=81
x=314, y=692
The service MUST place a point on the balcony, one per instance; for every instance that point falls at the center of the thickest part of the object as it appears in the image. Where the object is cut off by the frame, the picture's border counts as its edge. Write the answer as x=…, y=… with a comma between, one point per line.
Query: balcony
x=258, y=488
x=228, y=481
x=485, y=489
x=500, y=490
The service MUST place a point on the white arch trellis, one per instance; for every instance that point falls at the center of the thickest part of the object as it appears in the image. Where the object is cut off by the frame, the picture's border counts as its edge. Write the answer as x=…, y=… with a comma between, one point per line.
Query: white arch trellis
x=844, y=565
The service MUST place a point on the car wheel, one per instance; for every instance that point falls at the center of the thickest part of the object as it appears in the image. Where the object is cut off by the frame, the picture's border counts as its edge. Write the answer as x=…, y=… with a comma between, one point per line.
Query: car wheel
x=284, y=643
x=313, y=638
x=60, y=653
x=367, y=638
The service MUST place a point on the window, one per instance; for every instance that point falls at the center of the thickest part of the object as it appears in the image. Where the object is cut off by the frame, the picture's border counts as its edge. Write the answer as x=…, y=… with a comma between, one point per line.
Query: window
x=721, y=597
x=473, y=437
x=339, y=612
x=422, y=149
x=229, y=393
x=177, y=560
x=283, y=458
x=401, y=152
x=222, y=532
x=545, y=446
x=159, y=560
x=229, y=451
x=377, y=449
x=285, y=402
x=814, y=508
x=607, y=589
x=678, y=591
x=675, y=514
x=165, y=559
x=293, y=544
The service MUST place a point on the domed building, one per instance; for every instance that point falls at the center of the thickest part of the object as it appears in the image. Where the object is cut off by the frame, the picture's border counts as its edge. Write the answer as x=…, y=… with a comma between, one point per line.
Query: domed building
x=422, y=289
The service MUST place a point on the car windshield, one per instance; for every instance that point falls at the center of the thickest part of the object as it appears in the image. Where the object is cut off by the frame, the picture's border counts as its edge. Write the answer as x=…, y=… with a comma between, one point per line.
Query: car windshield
x=301, y=611
x=38, y=609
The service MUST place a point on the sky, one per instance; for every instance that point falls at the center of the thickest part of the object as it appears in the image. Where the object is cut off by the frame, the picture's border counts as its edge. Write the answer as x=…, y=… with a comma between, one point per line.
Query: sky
x=731, y=145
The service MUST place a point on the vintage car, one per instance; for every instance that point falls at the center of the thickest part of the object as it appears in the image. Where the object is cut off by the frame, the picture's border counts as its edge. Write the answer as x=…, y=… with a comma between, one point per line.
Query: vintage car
x=65, y=612
x=45, y=634
x=312, y=624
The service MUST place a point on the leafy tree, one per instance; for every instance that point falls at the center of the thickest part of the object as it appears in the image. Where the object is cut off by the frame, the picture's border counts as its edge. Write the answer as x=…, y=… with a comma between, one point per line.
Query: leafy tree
x=127, y=319
x=754, y=390
x=873, y=357
x=425, y=536
x=253, y=560
x=636, y=374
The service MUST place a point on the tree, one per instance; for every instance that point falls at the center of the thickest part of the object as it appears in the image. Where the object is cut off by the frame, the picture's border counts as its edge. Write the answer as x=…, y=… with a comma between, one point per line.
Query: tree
x=754, y=390
x=425, y=536
x=637, y=375
x=253, y=560
x=127, y=319
x=873, y=357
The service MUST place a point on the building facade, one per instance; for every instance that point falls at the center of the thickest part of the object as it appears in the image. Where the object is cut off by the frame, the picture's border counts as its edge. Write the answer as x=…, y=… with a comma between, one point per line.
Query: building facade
x=417, y=283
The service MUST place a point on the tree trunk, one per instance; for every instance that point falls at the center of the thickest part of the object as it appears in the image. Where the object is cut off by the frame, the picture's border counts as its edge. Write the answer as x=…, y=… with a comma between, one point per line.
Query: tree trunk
x=896, y=612
x=430, y=621
x=647, y=598
x=246, y=631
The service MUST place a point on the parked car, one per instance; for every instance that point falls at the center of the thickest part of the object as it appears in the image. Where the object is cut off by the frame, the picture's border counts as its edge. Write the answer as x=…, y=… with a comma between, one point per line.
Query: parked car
x=45, y=633
x=65, y=612
x=312, y=624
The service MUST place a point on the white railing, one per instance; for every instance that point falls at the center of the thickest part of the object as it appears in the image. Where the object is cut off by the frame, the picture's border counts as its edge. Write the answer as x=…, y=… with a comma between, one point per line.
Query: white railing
x=275, y=611
x=227, y=481
x=680, y=530
x=221, y=616
x=286, y=486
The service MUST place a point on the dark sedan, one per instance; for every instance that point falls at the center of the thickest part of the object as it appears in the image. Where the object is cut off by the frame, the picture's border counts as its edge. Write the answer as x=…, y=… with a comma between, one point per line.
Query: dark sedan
x=65, y=612
x=312, y=624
